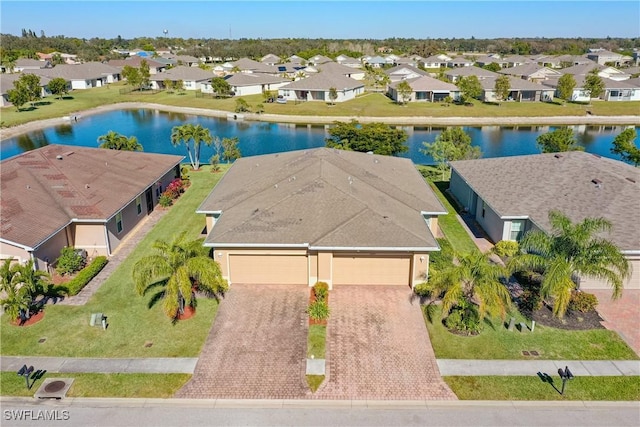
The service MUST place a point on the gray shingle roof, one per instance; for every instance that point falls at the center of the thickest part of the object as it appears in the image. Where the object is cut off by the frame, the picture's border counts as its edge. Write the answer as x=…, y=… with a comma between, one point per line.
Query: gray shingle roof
x=86, y=71
x=324, y=81
x=41, y=193
x=323, y=198
x=246, y=64
x=183, y=72
x=532, y=185
x=516, y=84
x=427, y=83
x=249, y=79
x=481, y=73
x=6, y=80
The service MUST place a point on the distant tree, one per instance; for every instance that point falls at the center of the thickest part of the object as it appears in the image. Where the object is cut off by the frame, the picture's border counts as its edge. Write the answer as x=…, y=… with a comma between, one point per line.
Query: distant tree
x=29, y=85
x=259, y=109
x=145, y=74
x=57, y=59
x=132, y=75
x=502, y=88
x=404, y=92
x=452, y=144
x=241, y=105
x=470, y=87
x=114, y=141
x=559, y=140
x=192, y=136
x=378, y=138
x=230, y=150
x=333, y=95
x=220, y=86
x=168, y=85
x=18, y=97
x=58, y=86
x=624, y=145
x=566, y=84
x=179, y=86
x=594, y=85
x=494, y=66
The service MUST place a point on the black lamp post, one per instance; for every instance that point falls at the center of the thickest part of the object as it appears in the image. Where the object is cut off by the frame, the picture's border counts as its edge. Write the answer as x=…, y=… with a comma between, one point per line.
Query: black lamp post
x=564, y=376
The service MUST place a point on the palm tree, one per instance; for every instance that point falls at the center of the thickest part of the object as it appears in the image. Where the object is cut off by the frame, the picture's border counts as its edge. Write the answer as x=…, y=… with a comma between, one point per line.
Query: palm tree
x=176, y=268
x=568, y=252
x=114, y=141
x=190, y=132
x=21, y=283
x=472, y=280
x=16, y=302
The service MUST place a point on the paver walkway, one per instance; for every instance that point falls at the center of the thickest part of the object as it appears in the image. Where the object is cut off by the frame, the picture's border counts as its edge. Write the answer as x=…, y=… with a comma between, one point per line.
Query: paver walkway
x=257, y=346
x=378, y=347
x=622, y=315
x=120, y=254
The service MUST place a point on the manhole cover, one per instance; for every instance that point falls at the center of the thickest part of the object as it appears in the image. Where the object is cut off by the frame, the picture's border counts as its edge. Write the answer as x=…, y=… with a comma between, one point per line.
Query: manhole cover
x=55, y=386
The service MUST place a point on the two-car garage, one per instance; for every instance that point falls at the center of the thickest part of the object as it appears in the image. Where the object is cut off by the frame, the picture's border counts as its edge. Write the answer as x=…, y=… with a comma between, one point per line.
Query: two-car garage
x=286, y=269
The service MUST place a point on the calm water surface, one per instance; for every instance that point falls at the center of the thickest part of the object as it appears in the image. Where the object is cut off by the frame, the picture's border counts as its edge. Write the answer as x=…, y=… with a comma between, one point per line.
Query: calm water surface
x=153, y=130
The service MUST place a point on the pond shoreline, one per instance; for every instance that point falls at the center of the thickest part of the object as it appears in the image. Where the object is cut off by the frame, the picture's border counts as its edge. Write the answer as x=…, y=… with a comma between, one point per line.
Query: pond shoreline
x=11, y=132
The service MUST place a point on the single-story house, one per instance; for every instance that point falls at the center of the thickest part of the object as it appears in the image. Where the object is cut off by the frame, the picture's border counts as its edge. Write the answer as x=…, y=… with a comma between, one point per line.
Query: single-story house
x=516, y=60
x=483, y=61
x=342, y=217
x=26, y=64
x=455, y=74
x=425, y=89
x=532, y=72
x=348, y=61
x=603, y=71
x=6, y=84
x=404, y=72
x=193, y=78
x=521, y=90
x=563, y=61
x=375, y=61
x=83, y=76
x=319, y=60
x=436, y=61
x=60, y=195
x=459, y=61
x=252, y=84
x=605, y=57
x=318, y=86
x=335, y=68
x=187, y=60
x=246, y=65
x=271, y=59
x=625, y=90
x=155, y=67
x=509, y=196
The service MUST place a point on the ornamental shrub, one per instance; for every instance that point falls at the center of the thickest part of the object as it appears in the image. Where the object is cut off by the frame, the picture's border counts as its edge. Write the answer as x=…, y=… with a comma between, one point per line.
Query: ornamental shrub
x=165, y=200
x=320, y=290
x=75, y=285
x=69, y=261
x=175, y=188
x=582, y=301
x=318, y=310
x=506, y=248
x=463, y=320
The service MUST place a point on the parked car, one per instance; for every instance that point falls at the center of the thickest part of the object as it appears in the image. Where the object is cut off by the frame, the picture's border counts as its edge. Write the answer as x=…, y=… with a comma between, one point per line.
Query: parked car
x=281, y=99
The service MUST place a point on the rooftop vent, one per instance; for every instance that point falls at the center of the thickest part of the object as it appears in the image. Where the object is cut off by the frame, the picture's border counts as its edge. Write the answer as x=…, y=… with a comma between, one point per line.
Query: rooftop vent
x=59, y=157
x=631, y=180
x=557, y=156
x=597, y=182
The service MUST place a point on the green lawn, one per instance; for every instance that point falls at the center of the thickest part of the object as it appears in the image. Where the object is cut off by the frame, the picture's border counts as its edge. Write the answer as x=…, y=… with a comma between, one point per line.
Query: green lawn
x=533, y=388
x=131, y=322
x=451, y=227
x=101, y=385
x=316, y=341
x=496, y=342
x=368, y=104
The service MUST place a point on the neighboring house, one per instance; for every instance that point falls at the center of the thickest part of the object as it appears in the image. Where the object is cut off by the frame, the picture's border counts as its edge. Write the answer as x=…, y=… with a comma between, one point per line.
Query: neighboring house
x=483, y=61
x=335, y=68
x=375, y=61
x=603, y=71
x=455, y=74
x=319, y=60
x=60, y=195
x=563, y=61
x=155, y=67
x=605, y=57
x=426, y=89
x=318, y=86
x=296, y=59
x=509, y=196
x=459, y=61
x=516, y=60
x=342, y=217
x=436, y=61
x=404, y=72
x=6, y=84
x=187, y=60
x=521, y=90
x=252, y=84
x=66, y=57
x=271, y=59
x=193, y=78
x=25, y=64
x=289, y=69
x=624, y=90
x=83, y=76
x=246, y=65
x=532, y=72
x=348, y=61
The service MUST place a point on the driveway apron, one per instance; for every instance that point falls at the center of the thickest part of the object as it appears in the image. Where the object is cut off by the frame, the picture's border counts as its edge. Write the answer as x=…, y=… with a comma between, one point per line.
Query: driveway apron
x=379, y=347
x=257, y=346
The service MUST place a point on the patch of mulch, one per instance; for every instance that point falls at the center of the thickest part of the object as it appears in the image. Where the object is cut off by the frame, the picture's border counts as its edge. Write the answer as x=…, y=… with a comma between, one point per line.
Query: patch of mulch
x=187, y=313
x=35, y=318
x=572, y=320
x=58, y=279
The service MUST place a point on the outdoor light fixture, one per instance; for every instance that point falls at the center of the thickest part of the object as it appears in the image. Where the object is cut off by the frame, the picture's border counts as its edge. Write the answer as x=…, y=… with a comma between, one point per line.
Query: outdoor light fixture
x=421, y=259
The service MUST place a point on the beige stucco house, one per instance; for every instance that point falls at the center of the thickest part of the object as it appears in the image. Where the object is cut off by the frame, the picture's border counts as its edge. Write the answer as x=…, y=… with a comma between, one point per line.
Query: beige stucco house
x=89, y=198
x=509, y=196
x=342, y=217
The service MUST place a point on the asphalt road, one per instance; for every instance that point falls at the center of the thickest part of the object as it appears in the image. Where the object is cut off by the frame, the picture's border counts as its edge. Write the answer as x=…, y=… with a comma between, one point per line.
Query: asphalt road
x=176, y=412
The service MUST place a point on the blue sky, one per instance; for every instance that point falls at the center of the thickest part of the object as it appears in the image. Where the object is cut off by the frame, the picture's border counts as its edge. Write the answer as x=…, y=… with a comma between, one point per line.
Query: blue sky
x=330, y=19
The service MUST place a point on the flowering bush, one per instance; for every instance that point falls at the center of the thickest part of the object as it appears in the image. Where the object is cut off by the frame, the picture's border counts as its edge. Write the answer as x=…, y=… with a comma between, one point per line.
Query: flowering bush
x=175, y=188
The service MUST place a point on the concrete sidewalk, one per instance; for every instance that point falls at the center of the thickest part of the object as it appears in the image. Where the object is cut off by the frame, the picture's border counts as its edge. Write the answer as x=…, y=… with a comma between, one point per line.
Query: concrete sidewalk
x=160, y=365
x=448, y=367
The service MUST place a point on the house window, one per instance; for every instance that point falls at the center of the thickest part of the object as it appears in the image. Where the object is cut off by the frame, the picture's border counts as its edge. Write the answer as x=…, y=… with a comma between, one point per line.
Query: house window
x=139, y=204
x=517, y=230
x=119, y=222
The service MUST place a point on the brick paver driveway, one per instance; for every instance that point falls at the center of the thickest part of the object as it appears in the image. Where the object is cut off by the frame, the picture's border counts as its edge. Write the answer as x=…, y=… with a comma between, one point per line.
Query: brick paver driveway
x=621, y=315
x=379, y=347
x=256, y=348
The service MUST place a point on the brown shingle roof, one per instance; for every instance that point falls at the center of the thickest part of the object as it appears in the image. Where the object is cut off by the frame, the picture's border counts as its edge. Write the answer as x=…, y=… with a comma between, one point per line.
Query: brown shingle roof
x=322, y=198
x=41, y=193
x=532, y=185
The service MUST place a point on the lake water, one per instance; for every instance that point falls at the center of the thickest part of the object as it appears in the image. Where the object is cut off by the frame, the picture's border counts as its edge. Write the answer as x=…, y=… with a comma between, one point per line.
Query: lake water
x=153, y=130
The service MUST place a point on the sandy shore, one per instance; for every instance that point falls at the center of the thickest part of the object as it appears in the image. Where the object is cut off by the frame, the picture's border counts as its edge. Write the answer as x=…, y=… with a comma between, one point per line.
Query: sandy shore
x=277, y=118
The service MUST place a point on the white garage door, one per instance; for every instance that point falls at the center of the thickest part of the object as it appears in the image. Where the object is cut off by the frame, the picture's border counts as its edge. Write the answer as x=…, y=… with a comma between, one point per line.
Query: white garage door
x=371, y=270
x=268, y=269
